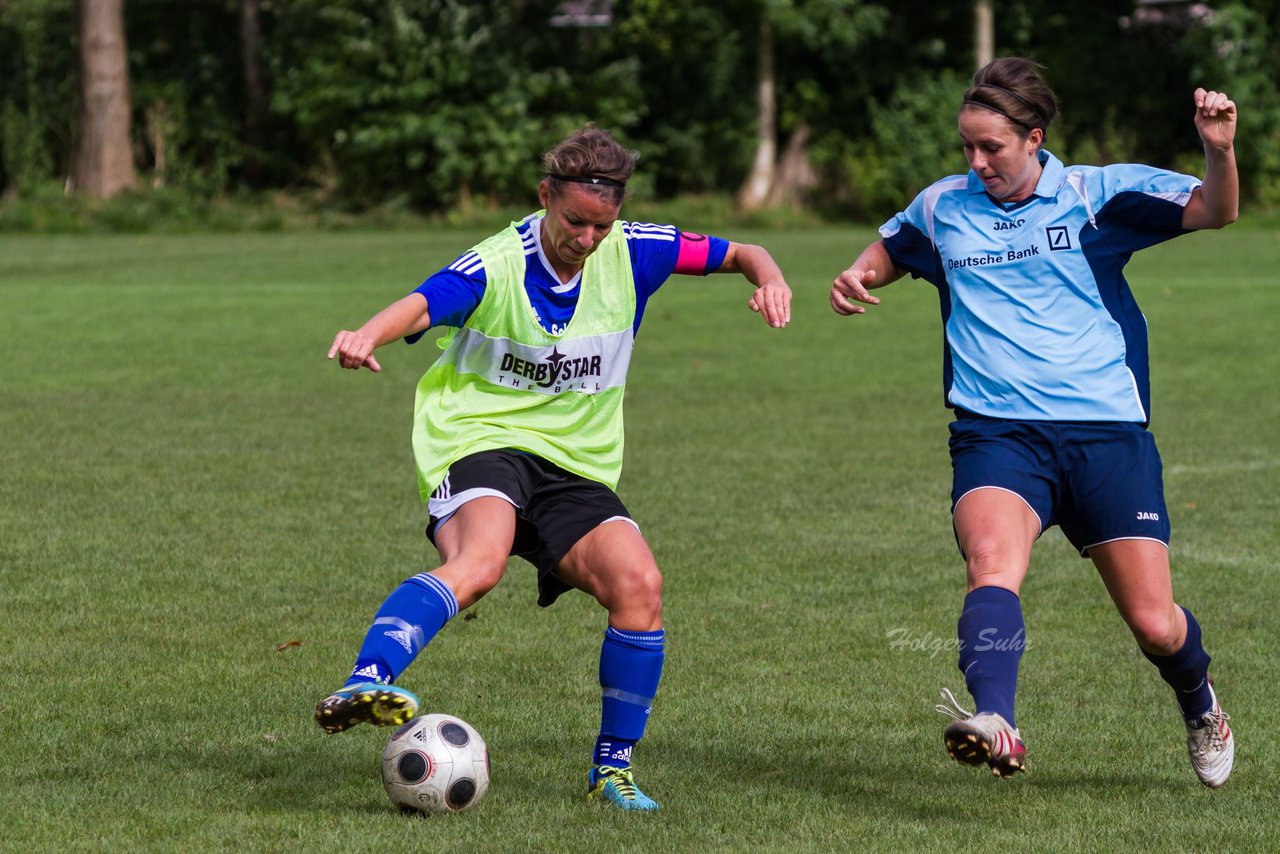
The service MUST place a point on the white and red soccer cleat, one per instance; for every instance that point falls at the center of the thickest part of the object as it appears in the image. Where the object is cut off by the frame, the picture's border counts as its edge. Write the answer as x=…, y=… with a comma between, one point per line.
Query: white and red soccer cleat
x=1211, y=746
x=982, y=738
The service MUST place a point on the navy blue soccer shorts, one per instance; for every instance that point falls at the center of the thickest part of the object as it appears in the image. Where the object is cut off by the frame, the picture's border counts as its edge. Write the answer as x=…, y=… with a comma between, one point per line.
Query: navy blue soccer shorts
x=554, y=508
x=1097, y=481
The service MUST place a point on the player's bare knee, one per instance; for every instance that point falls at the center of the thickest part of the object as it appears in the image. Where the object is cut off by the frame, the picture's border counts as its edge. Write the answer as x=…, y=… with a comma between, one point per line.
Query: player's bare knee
x=988, y=567
x=1157, y=632
x=470, y=577
x=637, y=592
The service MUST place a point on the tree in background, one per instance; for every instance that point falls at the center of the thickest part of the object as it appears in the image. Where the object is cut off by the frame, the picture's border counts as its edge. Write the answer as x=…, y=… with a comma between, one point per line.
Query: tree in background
x=440, y=105
x=807, y=50
x=104, y=156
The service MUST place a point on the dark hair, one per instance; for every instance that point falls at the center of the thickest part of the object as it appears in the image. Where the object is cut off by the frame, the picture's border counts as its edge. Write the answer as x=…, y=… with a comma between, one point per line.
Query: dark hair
x=1012, y=86
x=593, y=158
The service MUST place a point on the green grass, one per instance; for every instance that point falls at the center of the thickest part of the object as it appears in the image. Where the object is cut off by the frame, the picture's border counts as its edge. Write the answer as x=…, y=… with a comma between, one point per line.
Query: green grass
x=187, y=485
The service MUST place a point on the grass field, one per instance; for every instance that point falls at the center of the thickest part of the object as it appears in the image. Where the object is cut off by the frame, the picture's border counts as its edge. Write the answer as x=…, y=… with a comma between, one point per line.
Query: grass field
x=187, y=486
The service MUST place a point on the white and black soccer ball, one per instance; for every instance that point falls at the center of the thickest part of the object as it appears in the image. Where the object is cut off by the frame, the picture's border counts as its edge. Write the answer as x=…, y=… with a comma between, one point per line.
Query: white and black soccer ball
x=436, y=764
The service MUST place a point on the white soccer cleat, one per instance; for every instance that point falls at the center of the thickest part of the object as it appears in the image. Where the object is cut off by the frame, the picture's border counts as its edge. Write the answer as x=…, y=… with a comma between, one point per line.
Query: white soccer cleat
x=1211, y=746
x=982, y=738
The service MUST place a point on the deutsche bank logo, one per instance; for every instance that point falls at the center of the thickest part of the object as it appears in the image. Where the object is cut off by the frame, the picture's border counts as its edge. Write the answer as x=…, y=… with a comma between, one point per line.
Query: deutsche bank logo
x=1059, y=238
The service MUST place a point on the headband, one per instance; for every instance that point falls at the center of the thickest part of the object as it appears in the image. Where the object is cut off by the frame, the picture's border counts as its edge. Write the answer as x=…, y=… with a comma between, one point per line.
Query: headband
x=1015, y=96
x=588, y=179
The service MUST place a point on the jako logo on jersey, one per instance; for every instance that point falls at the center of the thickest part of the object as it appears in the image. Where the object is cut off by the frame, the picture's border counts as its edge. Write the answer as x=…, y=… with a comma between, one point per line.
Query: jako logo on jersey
x=556, y=370
x=1006, y=226
x=1144, y=516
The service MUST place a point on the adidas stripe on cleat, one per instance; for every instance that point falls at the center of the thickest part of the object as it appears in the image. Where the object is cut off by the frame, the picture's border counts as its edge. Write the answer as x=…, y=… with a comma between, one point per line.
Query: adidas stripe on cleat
x=368, y=703
x=984, y=738
x=617, y=786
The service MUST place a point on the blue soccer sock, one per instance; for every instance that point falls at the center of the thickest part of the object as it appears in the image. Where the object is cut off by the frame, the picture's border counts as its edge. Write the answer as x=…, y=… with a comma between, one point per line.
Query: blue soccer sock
x=630, y=667
x=1187, y=672
x=407, y=621
x=991, y=635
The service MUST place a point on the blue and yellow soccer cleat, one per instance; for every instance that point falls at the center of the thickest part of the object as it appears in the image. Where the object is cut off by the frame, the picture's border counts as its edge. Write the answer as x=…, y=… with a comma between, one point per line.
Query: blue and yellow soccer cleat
x=616, y=786
x=365, y=703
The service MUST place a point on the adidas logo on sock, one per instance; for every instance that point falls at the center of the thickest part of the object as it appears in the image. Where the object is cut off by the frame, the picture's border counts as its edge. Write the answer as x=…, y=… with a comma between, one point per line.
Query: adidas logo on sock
x=371, y=673
x=401, y=638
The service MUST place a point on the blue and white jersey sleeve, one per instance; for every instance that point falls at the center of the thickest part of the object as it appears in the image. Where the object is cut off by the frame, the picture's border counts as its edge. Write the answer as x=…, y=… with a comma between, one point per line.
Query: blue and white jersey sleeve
x=1138, y=205
x=908, y=236
x=658, y=251
x=453, y=293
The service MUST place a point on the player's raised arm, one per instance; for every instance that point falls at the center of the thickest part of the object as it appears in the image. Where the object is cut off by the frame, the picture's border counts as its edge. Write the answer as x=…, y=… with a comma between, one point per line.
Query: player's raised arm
x=772, y=298
x=354, y=350
x=1216, y=202
x=873, y=269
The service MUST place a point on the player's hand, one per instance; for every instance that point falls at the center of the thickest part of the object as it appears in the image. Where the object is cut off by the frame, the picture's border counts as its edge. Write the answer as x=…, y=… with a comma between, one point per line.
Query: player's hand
x=1215, y=119
x=852, y=284
x=773, y=301
x=354, y=351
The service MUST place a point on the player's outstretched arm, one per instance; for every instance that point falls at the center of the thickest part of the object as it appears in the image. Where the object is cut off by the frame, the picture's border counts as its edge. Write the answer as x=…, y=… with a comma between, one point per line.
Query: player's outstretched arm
x=772, y=298
x=403, y=317
x=1216, y=202
x=873, y=269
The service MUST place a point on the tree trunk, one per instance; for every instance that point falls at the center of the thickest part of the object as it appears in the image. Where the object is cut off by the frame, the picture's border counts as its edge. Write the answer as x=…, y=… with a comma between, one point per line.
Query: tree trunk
x=984, y=38
x=255, y=88
x=755, y=190
x=795, y=175
x=104, y=156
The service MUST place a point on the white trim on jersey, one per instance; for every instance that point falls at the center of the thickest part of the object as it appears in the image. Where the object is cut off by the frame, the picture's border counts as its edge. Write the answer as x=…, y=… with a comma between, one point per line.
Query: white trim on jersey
x=1137, y=393
x=1179, y=199
x=467, y=264
x=1077, y=181
x=648, y=231
x=956, y=182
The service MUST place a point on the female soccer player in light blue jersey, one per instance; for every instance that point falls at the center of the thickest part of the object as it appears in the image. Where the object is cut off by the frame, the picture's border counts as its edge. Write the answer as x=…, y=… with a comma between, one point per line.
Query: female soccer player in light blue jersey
x=1046, y=367
x=518, y=435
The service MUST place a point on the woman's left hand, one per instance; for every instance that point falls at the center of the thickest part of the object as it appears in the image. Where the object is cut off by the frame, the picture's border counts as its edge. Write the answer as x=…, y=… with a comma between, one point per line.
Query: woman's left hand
x=1215, y=119
x=773, y=301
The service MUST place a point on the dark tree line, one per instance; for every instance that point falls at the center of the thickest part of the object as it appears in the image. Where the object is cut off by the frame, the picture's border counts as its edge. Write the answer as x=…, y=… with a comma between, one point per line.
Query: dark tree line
x=843, y=105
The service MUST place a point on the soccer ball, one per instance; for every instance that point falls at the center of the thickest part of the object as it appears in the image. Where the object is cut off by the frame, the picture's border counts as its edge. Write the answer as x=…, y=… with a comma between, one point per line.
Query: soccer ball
x=436, y=764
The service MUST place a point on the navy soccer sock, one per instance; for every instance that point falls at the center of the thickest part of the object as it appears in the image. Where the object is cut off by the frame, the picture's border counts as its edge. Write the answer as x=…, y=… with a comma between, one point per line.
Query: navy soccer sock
x=991, y=635
x=407, y=621
x=1187, y=671
x=630, y=667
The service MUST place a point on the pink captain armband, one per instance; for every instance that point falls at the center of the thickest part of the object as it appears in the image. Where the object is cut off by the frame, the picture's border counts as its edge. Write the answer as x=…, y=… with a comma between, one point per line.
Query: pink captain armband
x=692, y=260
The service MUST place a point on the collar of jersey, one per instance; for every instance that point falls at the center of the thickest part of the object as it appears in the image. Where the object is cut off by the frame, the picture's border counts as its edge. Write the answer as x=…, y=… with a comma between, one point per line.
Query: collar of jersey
x=1051, y=177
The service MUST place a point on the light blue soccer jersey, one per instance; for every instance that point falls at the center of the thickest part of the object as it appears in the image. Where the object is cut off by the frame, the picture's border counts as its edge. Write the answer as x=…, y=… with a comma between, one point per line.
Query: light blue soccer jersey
x=1039, y=321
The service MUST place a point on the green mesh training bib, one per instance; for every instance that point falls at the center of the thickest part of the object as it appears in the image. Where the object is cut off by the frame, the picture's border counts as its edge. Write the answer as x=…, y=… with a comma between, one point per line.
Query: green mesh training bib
x=505, y=382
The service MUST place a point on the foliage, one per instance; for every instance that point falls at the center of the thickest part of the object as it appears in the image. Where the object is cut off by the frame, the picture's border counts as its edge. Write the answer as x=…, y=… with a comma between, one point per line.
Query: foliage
x=444, y=106
x=912, y=144
x=38, y=97
x=1238, y=53
x=437, y=101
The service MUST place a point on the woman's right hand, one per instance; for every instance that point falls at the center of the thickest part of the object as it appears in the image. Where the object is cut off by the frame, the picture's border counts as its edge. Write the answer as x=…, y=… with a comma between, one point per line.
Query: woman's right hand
x=852, y=285
x=354, y=351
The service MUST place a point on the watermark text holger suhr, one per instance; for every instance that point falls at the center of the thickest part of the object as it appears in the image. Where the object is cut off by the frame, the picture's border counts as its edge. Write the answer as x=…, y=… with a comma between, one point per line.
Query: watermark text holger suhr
x=904, y=639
